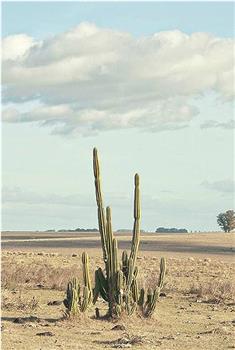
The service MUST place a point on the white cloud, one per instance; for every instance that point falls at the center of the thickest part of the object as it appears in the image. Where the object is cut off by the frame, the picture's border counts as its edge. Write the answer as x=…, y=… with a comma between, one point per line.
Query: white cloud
x=228, y=125
x=223, y=186
x=90, y=79
x=165, y=115
x=12, y=196
x=16, y=47
x=17, y=195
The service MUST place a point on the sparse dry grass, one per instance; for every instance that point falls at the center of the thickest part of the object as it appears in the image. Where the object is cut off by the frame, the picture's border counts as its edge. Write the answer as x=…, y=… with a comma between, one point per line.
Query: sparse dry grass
x=30, y=280
x=19, y=303
x=216, y=291
x=211, y=280
x=38, y=273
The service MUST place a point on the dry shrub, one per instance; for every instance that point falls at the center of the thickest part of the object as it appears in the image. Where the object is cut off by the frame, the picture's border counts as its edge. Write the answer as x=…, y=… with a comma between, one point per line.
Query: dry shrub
x=16, y=275
x=148, y=277
x=215, y=291
x=18, y=303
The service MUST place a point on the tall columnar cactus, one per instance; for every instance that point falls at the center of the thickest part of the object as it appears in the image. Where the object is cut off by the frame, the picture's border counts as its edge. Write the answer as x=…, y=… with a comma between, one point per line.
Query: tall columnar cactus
x=99, y=201
x=118, y=285
x=76, y=301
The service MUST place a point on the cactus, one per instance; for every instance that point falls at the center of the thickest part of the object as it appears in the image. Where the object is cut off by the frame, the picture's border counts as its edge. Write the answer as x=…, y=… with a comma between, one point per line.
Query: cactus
x=76, y=302
x=73, y=295
x=99, y=201
x=118, y=285
x=147, y=308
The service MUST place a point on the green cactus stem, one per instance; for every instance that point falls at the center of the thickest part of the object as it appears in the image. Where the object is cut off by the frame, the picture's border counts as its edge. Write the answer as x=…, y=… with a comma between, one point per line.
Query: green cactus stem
x=153, y=295
x=76, y=302
x=99, y=201
x=117, y=284
x=136, y=229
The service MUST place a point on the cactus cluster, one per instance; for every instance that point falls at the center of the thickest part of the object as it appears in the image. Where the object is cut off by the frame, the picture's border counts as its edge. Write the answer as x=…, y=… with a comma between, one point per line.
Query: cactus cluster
x=148, y=306
x=117, y=283
x=79, y=298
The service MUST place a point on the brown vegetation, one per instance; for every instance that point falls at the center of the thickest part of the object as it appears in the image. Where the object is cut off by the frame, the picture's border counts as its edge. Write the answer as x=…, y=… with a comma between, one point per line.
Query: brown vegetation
x=195, y=311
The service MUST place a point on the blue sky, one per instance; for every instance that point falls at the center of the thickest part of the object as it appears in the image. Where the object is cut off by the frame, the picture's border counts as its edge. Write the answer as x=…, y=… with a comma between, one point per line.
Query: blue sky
x=168, y=119
x=140, y=18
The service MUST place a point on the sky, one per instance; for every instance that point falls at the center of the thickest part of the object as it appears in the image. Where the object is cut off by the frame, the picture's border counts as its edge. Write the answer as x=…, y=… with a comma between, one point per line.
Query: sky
x=151, y=85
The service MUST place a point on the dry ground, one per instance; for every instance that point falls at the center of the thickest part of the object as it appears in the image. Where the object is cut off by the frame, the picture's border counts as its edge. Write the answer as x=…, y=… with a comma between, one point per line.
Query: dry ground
x=197, y=311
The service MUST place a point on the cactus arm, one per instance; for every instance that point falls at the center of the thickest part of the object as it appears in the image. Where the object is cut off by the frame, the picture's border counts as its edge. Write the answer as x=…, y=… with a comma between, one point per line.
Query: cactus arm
x=109, y=236
x=85, y=301
x=135, y=291
x=86, y=275
x=119, y=287
x=115, y=257
x=87, y=291
x=102, y=284
x=124, y=263
x=96, y=289
x=162, y=273
x=136, y=228
x=152, y=303
x=141, y=298
x=153, y=297
x=99, y=201
x=74, y=303
x=130, y=273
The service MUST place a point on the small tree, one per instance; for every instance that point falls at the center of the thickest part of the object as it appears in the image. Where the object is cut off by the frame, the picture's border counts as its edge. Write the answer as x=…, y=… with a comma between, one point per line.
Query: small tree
x=226, y=220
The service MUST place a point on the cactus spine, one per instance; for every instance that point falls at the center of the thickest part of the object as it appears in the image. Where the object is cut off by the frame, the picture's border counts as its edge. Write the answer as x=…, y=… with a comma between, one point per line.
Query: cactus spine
x=76, y=301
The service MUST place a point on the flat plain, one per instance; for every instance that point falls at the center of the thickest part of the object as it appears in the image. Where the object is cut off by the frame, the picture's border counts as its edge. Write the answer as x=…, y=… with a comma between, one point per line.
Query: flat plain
x=195, y=311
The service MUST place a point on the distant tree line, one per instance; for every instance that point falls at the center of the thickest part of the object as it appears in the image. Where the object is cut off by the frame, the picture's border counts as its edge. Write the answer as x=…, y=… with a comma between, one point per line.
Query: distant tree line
x=171, y=230
x=86, y=230
x=89, y=230
x=225, y=220
x=76, y=230
x=127, y=230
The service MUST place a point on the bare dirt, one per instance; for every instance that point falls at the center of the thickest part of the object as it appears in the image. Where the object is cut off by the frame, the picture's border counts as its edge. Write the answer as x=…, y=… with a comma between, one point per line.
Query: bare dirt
x=197, y=310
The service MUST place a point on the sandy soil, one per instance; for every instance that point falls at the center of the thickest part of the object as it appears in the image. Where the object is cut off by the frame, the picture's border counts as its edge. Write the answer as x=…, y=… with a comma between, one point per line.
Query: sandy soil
x=197, y=311
x=214, y=244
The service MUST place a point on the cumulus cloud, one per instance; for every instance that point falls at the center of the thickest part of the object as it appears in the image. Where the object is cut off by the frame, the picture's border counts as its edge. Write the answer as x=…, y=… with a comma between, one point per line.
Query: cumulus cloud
x=223, y=186
x=90, y=79
x=16, y=47
x=228, y=125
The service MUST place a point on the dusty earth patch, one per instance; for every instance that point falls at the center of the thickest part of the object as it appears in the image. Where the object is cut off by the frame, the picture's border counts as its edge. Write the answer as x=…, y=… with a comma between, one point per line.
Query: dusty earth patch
x=196, y=310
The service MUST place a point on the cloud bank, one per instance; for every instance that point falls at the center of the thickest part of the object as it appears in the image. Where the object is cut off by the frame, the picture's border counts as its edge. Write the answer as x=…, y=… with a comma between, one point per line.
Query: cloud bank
x=226, y=186
x=228, y=125
x=91, y=79
x=16, y=195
